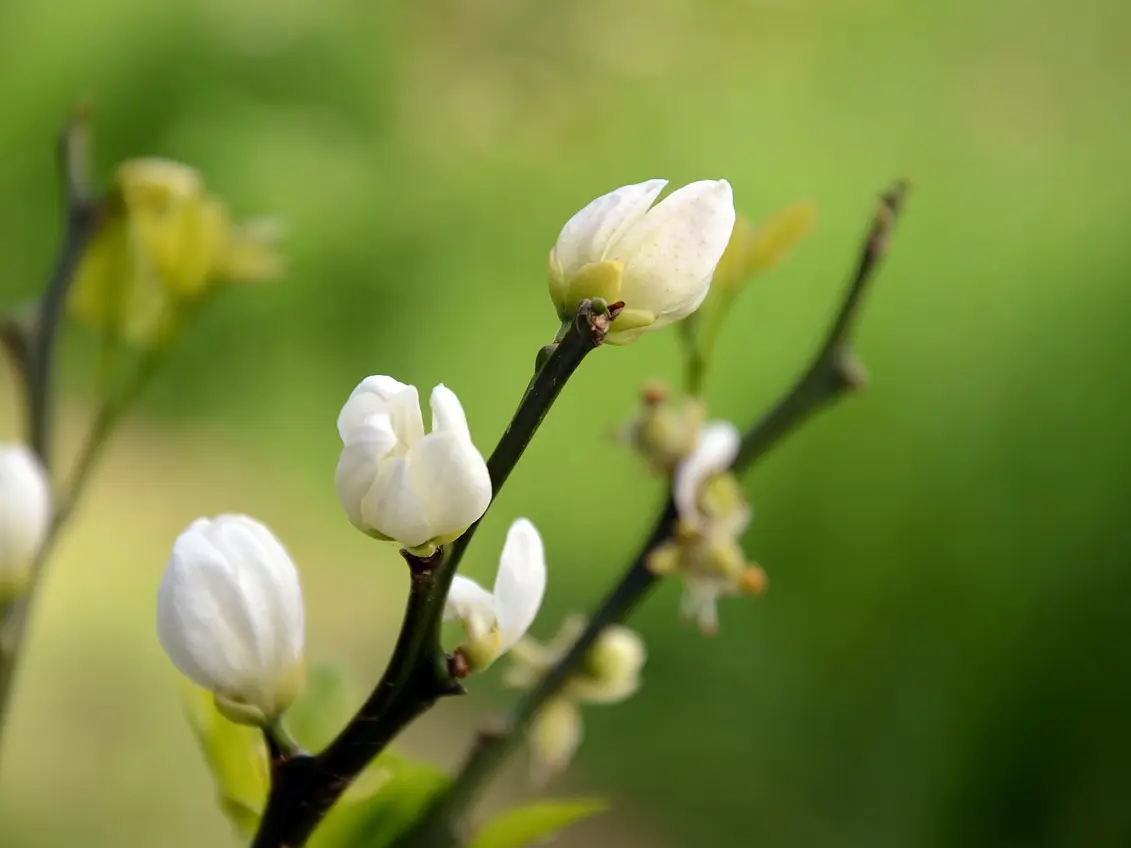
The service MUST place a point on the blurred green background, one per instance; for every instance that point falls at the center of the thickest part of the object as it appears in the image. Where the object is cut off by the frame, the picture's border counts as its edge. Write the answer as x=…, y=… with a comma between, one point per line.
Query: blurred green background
x=943, y=656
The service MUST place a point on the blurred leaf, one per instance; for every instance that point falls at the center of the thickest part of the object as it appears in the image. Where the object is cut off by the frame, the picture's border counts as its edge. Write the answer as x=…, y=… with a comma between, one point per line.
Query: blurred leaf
x=236, y=755
x=524, y=826
x=394, y=793
x=322, y=709
x=779, y=234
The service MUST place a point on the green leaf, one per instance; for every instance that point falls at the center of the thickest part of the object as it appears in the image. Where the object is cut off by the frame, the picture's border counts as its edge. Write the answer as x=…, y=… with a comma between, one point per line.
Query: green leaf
x=393, y=793
x=321, y=710
x=236, y=755
x=525, y=826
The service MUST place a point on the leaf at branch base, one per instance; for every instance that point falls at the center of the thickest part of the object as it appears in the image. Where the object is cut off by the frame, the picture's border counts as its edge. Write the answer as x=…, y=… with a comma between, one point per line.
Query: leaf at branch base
x=389, y=798
x=526, y=826
x=321, y=710
x=236, y=755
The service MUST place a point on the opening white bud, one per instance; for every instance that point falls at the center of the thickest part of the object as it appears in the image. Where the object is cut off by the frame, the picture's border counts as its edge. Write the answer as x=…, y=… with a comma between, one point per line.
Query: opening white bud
x=494, y=621
x=230, y=616
x=397, y=483
x=658, y=259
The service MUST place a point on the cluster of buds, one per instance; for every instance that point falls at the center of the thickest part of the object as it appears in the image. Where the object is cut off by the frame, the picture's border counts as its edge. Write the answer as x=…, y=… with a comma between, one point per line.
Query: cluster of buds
x=609, y=674
x=230, y=607
x=665, y=430
x=163, y=242
x=713, y=513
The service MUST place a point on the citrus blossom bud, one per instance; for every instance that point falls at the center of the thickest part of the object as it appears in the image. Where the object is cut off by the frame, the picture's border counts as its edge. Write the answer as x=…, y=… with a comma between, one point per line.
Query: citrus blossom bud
x=657, y=259
x=495, y=621
x=25, y=514
x=612, y=667
x=230, y=616
x=555, y=733
x=395, y=482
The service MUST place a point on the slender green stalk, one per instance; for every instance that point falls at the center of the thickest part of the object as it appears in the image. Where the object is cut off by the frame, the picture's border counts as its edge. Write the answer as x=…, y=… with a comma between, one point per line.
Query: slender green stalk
x=831, y=373
x=304, y=787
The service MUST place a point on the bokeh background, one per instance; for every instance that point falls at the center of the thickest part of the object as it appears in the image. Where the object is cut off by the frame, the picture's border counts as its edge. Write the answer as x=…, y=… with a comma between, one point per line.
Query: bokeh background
x=943, y=656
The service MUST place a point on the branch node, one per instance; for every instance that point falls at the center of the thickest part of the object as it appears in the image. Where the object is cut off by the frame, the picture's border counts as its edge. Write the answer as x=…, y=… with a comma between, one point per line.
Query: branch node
x=851, y=370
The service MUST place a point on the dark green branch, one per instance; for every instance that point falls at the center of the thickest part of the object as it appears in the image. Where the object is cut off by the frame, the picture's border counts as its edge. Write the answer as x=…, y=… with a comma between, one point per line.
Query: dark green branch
x=35, y=352
x=80, y=223
x=305, y=787
x=832, y=372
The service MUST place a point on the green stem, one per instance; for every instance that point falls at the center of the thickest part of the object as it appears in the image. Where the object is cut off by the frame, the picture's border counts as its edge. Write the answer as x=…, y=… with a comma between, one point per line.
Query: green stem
x=827, y=378
x=80, y=225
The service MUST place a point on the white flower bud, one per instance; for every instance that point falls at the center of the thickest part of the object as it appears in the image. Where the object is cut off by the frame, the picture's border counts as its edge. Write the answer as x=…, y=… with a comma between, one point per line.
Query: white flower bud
x=555, y=733
x=495, y=621
x=397, y=483
x=612, y=668
x=719, y=442
x=25, y=514
x=230, y=617
x=658, y=260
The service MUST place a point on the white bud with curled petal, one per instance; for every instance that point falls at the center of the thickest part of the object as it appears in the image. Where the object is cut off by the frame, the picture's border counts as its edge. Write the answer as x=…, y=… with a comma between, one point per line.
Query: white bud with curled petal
x=230, y=616
x=494, y=621
x=397, y=483
x=705, y=492
x=658, y=260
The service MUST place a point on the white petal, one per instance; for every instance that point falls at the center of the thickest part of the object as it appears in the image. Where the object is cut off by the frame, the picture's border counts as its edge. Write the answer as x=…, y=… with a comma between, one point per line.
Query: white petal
x=589, y=232
x=395, y=507
x=521, y=582
x=670, y=255
x=25, y=507
x=359, y=464
x=470, y=604
x=699, y=604
x=718, y=446
x=447, y=412
x=269, y=589
x=372, y=395
x=450, y=480
x=405, y=417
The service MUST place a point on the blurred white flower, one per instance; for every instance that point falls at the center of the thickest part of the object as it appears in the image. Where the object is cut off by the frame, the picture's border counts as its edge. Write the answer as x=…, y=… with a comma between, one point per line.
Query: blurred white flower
x=713, y=514
x=395, y=482
x=609, y=675
x=494, y=621
x=658, y=259
x=711, y=459
x=230, y=616
x=25, y=513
